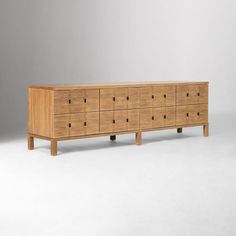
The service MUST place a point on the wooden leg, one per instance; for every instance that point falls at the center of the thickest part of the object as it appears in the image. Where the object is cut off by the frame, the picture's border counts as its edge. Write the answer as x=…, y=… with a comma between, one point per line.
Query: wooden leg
x=138, y=138
x=206, y=130
x=53, y=147
x=179, y=130
x=30, y=142
x=112, y=137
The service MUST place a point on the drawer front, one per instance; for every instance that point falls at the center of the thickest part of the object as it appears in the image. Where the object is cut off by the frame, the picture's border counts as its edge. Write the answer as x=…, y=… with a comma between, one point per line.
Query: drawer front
x=85, y=123
x=120, y=95
x=77, y=121
x=76, y=101
x=61, y=126
x=106, y=99
x=163, y=96
x=61, y=102
x=163, y=117
x=119, y=99
x=92, y=123
x=91, y=100
x=120, y=120
x=192, y=114
x=106, y=122
x=146, y=118
x=192, y=94
x=133, y=119
x=84, y=100
x=133, y=98
x=146, y=97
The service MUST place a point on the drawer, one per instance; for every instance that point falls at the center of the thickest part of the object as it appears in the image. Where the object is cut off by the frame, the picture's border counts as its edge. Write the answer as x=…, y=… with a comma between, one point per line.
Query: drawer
x=119, y=98
x=119, y=120
x=157, y=96
x=157, y=117
x=163, y=117
x=61, y=126
x=61, y=102
x=84, y=123
x=192, y=114
x=76, y=124
x=83, y=100
x=192, y=94
x=163, y=96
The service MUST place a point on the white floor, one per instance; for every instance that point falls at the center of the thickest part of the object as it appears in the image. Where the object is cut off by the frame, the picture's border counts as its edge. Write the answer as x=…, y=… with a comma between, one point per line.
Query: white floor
x=174, y=184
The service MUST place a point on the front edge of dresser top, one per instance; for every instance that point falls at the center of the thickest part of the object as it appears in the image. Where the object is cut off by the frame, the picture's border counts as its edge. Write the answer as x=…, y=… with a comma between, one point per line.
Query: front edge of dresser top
x=66, y=112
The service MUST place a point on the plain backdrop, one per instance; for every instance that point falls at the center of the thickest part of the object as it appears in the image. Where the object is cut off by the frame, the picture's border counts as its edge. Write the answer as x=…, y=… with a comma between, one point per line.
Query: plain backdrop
x=68, y=41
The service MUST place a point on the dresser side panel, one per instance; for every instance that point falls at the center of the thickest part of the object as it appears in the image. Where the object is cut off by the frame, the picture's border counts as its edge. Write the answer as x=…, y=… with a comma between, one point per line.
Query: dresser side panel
x=40, y=112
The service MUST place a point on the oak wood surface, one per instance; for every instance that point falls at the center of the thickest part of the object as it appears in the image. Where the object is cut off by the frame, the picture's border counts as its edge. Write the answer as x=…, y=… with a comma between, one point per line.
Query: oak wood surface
x=112, y=85
x=64, y=112
x=40, y=109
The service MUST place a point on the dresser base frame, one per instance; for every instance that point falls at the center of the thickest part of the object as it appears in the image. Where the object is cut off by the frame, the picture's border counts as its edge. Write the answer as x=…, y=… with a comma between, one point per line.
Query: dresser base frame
x=138, y=136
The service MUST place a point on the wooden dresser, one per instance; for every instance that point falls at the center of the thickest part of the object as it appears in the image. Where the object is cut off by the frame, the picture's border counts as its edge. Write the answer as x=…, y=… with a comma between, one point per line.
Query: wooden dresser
x=63, y=112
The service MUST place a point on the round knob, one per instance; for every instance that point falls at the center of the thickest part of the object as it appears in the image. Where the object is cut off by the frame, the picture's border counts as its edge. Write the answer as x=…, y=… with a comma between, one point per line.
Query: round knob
x=187, y=114
x=187, y=94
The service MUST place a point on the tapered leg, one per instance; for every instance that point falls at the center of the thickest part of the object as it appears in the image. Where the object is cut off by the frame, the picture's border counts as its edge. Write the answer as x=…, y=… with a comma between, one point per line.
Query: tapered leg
x=138, y=138
x=179, y=130
x=112, y=137
x=30, y=142
x=206, y=130
x=53, y=147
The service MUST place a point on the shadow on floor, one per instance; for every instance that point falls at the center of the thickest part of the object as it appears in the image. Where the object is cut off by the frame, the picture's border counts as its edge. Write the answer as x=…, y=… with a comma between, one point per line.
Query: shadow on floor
x=96, y=144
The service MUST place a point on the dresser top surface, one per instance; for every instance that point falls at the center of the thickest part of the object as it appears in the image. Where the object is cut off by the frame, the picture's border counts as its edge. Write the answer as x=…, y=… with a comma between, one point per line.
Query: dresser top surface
x=110, y=85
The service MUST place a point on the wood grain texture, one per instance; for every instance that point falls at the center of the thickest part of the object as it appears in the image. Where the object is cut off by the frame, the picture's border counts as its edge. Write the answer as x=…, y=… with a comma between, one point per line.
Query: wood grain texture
x=79, y=111
x=40, y=112
x=112, y=85
x=192, y=94
x=192, y=114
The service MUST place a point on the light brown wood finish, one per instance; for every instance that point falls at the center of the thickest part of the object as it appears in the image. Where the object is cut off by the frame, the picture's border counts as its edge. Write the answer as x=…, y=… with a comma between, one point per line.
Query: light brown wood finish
x=30, y=142
x=206, y=130
x=138, y=138
x=67, y=112
x=40, y=109
x=192, y=114
x=192, y=94
x=53, y=147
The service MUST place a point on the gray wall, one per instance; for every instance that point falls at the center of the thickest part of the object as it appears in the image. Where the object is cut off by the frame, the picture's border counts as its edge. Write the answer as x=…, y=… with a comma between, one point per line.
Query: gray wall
x=69, y=41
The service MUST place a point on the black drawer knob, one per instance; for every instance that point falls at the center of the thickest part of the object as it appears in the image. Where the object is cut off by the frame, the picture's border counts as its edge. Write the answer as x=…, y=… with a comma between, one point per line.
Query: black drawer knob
x=164, y=116
x=85, y=100
x=85, y=123
x=114, y=99
x=198, y=94
x=152, y=96
x=69, y=101
x=69, y=125
x=114, y=121
x=187, y=114
x=187, y=94
x=198, y=113
x=127, y=98
x=152, y=117
x=164, y=95
x=127, y=120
